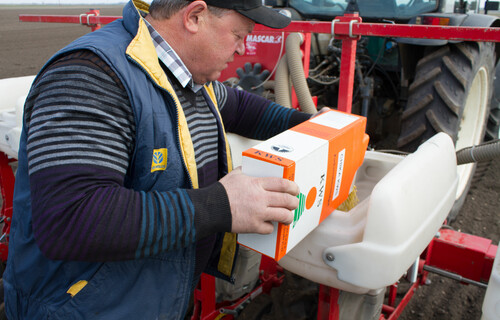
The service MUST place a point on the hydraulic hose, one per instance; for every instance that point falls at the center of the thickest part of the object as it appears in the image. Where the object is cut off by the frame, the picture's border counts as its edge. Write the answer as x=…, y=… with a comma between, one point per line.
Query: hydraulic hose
x=482, y=152
x=294, y=60
x=282, y=83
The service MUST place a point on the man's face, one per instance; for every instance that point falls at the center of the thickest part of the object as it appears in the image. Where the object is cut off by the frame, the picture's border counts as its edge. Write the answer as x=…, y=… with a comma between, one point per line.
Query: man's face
x=219, y=40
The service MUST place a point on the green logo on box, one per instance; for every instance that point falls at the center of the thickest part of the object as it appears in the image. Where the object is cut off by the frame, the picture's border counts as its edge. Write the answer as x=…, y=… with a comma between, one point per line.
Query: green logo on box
x=300, y=209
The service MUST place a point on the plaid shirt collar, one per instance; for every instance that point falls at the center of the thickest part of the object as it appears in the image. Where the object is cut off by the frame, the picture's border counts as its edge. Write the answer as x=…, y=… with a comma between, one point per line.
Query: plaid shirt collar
x=168, y=56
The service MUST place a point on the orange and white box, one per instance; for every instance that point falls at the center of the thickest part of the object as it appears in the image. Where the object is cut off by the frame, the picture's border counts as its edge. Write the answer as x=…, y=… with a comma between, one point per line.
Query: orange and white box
x=321, y=155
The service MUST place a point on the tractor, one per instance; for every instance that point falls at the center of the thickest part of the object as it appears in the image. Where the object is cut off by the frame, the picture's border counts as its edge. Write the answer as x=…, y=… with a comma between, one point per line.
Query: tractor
x=408, y=88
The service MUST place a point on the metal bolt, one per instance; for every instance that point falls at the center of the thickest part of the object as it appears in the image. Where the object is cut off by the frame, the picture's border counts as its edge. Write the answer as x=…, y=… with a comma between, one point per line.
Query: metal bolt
x=330, y=257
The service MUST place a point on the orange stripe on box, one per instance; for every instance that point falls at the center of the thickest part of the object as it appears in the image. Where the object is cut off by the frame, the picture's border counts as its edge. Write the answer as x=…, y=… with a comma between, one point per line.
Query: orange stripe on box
x=282, y=243
x=326, y=132
x=268, y=157
x=284, y=230
x=316, y=130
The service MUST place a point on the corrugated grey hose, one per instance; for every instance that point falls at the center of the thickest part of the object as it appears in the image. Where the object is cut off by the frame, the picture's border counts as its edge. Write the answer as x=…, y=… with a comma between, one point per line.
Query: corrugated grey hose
x=282, y=84
x=294, y=68
x=482, y=152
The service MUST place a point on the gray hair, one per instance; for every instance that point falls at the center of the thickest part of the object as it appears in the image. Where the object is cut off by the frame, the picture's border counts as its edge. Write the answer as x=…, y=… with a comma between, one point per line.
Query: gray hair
x=164, y=9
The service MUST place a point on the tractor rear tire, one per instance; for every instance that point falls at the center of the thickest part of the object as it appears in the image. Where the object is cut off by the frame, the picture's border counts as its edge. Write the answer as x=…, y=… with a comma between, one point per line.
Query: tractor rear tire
x=493, y=129
x=451, y=93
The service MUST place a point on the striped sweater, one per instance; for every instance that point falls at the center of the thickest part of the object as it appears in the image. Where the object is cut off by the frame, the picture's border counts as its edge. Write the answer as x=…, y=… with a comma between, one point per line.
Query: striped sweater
x=81, y=133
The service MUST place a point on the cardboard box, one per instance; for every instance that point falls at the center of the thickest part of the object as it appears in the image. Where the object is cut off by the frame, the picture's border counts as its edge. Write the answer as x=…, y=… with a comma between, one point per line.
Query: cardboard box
x=321, y=155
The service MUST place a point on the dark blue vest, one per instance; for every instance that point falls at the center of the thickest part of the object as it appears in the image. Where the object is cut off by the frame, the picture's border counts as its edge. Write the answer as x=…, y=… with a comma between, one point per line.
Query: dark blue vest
x=158, y=287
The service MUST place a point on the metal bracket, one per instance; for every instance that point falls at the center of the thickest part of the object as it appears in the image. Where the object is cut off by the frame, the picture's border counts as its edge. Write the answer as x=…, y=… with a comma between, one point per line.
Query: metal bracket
x=350, y=28
x=87, y=16
x=333, y=26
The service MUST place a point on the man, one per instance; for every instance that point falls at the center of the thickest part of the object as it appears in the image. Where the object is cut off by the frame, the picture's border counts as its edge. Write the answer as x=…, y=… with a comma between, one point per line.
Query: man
x=123, y=194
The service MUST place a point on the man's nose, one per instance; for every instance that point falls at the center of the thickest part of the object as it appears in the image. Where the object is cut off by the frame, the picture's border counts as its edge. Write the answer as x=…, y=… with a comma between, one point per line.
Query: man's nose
x=240, y=49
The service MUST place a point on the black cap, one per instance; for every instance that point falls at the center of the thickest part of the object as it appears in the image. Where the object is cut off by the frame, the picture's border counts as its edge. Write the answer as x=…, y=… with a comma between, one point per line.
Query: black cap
x=254, y=10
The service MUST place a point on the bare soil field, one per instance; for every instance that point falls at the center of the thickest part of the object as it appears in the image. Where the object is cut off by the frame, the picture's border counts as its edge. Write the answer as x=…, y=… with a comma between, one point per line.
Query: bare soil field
x=26, y=46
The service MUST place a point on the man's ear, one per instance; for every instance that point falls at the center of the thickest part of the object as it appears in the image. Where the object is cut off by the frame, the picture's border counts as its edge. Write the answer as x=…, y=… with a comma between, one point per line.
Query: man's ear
x=194, y=14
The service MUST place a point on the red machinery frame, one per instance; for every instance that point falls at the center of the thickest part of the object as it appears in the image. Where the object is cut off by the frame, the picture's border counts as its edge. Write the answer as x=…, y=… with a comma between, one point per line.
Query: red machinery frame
x=92, y=19
x=453, y=254
x=460, y=256
x=7, y=187
x=348, y=28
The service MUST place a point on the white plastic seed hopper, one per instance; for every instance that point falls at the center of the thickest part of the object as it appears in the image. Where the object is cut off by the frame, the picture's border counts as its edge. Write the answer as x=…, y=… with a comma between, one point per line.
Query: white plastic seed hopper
x=403, y=203
x=13, y=92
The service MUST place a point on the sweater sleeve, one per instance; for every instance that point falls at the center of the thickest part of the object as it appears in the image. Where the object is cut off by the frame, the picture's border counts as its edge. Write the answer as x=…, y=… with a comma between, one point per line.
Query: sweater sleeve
x=81, y=131
x=253, y=116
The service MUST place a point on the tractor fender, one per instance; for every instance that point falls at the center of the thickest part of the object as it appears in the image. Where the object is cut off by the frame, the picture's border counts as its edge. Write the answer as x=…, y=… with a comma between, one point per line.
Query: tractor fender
x=481, y=20
x=463, y=20
x=410, y=53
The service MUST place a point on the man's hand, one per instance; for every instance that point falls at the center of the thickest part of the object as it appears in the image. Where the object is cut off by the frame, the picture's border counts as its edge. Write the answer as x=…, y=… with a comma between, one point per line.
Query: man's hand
x=323, y=110
x=255, y=202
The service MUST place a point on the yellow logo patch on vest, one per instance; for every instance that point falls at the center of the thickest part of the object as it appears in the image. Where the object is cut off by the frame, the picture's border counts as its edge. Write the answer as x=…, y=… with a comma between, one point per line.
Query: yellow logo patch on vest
x=159, y=160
